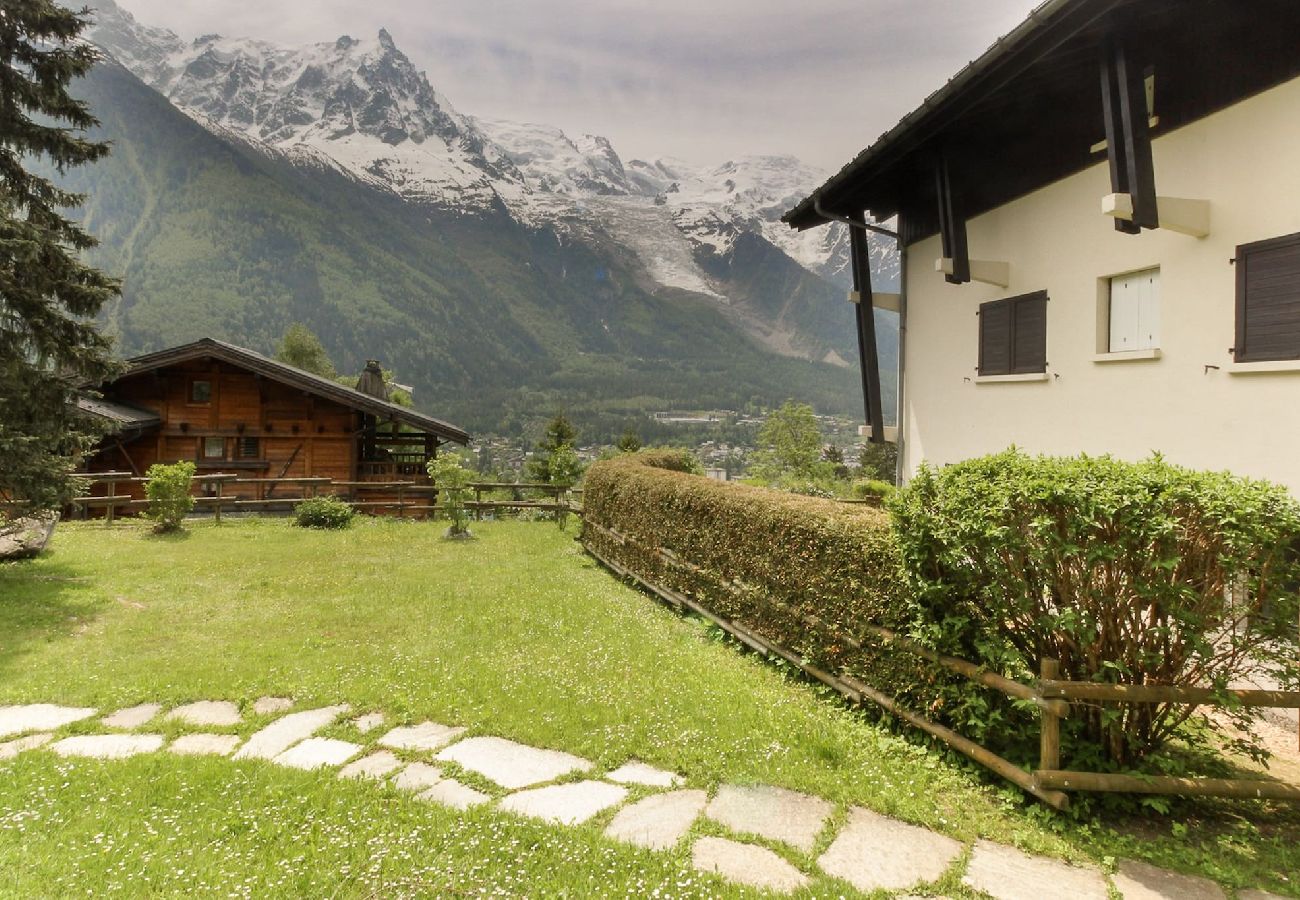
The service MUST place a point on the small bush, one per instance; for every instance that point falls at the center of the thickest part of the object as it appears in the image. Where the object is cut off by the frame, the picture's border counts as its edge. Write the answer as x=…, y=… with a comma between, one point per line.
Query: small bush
x=872, y=489
x=323, y=512
x=168, y=491
x=1127, y=573
x=448, y=473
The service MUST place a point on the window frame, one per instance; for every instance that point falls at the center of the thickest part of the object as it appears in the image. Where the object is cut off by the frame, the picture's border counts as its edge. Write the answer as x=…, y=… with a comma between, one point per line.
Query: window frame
x=1240, y=349
x=1013, y=367
x=206, y=442
x=1143, y=343
x=194, y=383
x=244, y=444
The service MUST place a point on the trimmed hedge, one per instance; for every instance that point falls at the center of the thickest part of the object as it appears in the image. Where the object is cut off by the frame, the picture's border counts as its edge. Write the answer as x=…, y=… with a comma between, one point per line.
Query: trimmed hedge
x=765, y=559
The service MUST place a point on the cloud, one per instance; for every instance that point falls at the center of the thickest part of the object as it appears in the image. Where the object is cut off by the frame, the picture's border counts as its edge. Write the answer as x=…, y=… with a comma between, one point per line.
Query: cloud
x=703, y=80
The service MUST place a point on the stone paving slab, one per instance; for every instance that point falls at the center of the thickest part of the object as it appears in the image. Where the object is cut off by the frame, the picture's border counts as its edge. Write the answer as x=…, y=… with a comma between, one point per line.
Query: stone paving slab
x=205, y=744
x=875, y=852
x=746, y=864
x=771, y=812
x=428, y=736
x=39, y=717
x=1010, y=874
x=10, y=749
x=634, y=772
x=134, y=716
x=418, y=777
x=450, y=792
x=207, y=713
x=565, y=804
x=658, y=822
x=108, y=746
x=368, y=722
x=318, y=753
x=266, y=706
x=376, y=765
x=282, y=734
x=512, y=765
x=1142, y=881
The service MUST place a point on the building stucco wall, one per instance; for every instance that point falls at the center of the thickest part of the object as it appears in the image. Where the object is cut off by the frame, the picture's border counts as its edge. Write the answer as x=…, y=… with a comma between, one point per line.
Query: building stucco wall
x=1246, y=161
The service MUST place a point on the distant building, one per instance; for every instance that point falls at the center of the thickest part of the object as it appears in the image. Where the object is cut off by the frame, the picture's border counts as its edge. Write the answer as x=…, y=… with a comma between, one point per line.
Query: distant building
x=230, y=410
x=717, y=474
x=1100, y=220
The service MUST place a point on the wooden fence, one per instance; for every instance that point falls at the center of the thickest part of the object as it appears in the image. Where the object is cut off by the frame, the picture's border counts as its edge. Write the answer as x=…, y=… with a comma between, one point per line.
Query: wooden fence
x=1053, y=698
x=404, y=497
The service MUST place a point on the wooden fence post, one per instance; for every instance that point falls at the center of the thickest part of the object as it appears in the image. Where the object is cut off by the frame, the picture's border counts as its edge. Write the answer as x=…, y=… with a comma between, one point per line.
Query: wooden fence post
x=111, y=507
x=221, y=482
x=1049, y=748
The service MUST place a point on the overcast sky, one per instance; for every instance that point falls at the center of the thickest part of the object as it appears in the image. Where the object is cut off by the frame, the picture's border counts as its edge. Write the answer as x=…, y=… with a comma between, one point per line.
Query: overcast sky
x=704, y=80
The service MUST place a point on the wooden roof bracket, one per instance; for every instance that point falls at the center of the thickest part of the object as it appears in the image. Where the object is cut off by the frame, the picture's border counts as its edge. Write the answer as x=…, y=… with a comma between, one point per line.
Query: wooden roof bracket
x=952, y=228
x=1128, y=138
x=868, y=354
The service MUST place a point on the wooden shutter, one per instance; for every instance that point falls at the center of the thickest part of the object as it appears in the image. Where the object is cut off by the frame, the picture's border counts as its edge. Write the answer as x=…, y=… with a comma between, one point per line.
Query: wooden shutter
x=1268, y=300
x=1029, y=347
x=995, y=338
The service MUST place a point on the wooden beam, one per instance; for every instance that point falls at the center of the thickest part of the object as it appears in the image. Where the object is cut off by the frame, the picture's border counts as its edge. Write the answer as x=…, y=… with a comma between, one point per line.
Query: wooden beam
x=1128, y=137
x=985, y=271
x=1240, y=788
x=868, y=354
x=1190, y=217
x=891, y=302
x=952, y=226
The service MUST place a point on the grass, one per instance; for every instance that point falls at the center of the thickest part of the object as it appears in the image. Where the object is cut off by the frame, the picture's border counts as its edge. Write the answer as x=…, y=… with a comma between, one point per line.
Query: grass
x=517, y=634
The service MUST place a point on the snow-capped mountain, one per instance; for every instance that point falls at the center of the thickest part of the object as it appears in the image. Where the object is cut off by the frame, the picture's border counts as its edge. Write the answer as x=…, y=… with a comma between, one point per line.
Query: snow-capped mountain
x=361, y=105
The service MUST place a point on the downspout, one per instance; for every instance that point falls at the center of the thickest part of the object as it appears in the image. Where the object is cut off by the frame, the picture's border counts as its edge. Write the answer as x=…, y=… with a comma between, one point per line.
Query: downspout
x=900, y=466
x=845, y=220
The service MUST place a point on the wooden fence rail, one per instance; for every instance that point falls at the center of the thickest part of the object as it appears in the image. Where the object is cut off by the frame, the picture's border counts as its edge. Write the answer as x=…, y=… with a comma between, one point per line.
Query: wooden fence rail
x=557, y=500
x=1050, y=695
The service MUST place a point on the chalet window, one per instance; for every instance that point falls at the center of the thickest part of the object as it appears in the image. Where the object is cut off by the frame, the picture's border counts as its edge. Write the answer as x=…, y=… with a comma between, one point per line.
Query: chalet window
x=248, y=447
x=1268, y=300
x=200, y=391
x=1134, y=312
x=214, y=448
x=1013, y=335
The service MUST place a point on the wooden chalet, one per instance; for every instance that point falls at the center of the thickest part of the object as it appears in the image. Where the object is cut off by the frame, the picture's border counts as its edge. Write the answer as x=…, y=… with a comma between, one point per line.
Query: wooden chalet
x=230, y=410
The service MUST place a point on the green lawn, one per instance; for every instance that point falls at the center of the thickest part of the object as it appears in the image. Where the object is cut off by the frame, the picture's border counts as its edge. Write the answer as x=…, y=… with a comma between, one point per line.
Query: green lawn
x=518, y=634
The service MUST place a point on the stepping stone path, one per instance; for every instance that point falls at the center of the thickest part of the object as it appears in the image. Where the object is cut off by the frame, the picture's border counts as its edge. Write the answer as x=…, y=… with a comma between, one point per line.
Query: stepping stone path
x=1010, y=874
x=874, y=852
x=133, y=717
x=870, y=851
x=39, y=717
x=318, y=753
x=659, y=821
x=1143, y=881
x=267, y=706
x=214, y=713
x=282, y=734
x=771, y=812
x=747, y=864
x=369, y=722
x=108, y=746
x=205, y=744
x=565, y=804
x=512, y=765
x=427, y=736
x=376, y=765
x=639, y=773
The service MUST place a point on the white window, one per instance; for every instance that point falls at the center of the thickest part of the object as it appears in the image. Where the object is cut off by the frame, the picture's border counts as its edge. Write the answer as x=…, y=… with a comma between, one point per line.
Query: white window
x=1134, y=312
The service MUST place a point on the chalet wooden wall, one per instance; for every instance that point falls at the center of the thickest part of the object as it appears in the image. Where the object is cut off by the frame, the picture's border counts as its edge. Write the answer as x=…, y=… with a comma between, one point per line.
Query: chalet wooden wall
x=248, y=424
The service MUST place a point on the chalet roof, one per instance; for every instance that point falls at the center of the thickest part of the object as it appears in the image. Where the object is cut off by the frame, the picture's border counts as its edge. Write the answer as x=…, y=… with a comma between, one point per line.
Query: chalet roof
x=1028, y=111
x=120, y=414
x=298, y=378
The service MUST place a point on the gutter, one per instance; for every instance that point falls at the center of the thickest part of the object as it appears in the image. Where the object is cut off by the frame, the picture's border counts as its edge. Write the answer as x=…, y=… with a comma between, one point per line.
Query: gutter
x=835, y=217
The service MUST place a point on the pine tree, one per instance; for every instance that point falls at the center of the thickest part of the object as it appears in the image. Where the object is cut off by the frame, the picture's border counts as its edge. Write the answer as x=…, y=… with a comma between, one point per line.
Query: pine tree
x=559, y=433
x=630, y=441
x=49, y=345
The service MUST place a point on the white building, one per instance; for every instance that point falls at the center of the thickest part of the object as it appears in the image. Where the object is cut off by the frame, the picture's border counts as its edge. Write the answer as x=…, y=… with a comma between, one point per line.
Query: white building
x=1101, y=228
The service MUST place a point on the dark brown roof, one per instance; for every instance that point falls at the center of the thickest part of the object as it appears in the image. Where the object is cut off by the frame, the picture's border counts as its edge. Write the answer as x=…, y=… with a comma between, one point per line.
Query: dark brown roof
x=120, y=414
x=299, y=378
x=1028, y=111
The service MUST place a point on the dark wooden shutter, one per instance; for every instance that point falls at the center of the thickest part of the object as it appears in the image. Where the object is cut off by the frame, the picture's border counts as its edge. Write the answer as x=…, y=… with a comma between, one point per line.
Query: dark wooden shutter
x=1268, y=300
x=995, y=338
x=1029, y=351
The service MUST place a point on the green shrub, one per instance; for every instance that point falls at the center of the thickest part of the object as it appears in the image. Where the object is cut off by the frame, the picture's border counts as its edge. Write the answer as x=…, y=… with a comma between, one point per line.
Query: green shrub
x=872, y=489
x=323, y=512
x=448, y=473
x=1128, y=573
x=168, y=491
x=766, y=560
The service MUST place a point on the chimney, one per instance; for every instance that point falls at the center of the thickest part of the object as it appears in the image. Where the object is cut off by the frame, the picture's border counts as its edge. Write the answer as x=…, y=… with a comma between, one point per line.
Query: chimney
x=371, y=381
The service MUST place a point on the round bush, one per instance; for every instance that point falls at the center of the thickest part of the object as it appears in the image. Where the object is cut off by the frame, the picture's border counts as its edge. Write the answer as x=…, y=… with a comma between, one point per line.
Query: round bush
x=323, y=512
